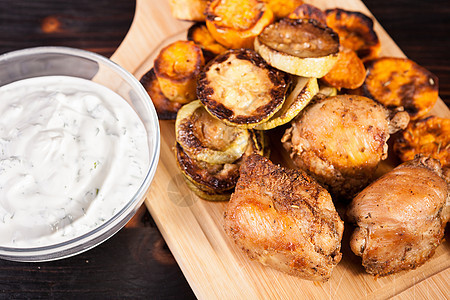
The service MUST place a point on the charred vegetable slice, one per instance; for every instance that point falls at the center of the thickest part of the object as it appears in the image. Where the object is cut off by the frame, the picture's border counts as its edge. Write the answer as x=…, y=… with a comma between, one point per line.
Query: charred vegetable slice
x=199, y=34
x=217, y=181
x=301, y=95
x=355, y=31
x=213, y=177
x=397, y=82
x=260, y=142
x=241, y=89
x=207, y=139
x=325, y=91
x=429, y=136
x=348, y=72
x=166, y=109
x=308, y=11
x=189, y=10
x=177, y=67
x=302, y=47
x=207, y=194
x=282, y=8
x=236, y=23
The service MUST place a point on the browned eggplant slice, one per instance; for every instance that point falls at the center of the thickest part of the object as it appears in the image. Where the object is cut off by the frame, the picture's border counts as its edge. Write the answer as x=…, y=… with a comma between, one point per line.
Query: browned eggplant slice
x=239, y=88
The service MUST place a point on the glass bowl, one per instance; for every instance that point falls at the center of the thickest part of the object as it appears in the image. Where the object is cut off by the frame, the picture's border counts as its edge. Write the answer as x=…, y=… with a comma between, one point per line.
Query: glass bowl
x=52, y=61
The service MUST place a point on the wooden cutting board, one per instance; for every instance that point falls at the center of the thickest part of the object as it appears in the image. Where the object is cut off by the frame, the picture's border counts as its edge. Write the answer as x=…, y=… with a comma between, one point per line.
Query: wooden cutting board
x=192, y=228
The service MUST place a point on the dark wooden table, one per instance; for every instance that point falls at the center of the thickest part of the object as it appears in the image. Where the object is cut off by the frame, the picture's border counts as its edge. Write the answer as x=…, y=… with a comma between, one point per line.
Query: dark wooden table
x=136, y=263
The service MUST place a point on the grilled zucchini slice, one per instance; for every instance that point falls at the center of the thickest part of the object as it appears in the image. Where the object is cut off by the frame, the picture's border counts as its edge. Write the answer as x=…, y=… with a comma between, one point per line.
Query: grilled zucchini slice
x=260, y=142
x=217, y=181
x=303, y=47
x=212, y=177
x=207, y=194
x=207, y=139
x=239, y=88
x=325, y=91
x=166, y=109
x=305, y=89
x=177, y=67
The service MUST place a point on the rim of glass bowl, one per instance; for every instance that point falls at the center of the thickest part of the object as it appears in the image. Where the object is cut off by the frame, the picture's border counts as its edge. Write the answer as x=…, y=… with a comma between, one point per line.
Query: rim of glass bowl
x=96, y=236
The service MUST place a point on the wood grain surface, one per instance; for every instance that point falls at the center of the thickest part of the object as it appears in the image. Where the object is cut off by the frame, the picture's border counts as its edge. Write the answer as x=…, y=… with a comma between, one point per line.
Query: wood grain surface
x=97, y=26
x=136, y=263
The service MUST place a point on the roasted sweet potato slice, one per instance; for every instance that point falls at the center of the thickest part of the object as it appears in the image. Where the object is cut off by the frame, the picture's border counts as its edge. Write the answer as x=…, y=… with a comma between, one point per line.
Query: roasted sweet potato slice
x=199, y=34
x=241, y=89
x=348, y=72
x=166, y=109
x=397, y=82
x=355, y=31
x=189, y=10
x=302, y=47
x=308, y=11
x=282, y=8
x=236, y=23
x=429, y=136
x=177, y=67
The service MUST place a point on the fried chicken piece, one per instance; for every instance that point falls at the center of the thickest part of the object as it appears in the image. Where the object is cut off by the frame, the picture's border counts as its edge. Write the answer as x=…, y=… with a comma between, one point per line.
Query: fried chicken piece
x=341, y=140
x=284, y=219
x=401, y=217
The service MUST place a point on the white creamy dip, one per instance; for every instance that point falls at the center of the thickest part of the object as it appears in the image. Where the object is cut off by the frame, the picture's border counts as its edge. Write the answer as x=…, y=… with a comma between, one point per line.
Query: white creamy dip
x=72, y=153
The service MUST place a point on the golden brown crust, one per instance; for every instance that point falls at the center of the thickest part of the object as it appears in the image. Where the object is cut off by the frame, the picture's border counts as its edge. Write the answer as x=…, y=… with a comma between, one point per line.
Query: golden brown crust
x=284, y=219
x=242, y=98
x=395, y=82
x=429, y=136
x=199, y=34
x=236, y=23
x=340, y=140
x=355, y=31
x=166, y=109
x=401, y=217
x=177, y=67
x=282, y=8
